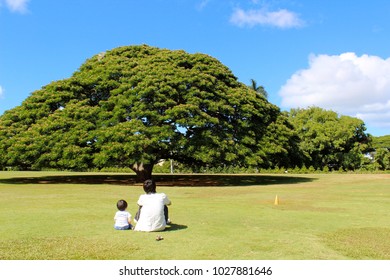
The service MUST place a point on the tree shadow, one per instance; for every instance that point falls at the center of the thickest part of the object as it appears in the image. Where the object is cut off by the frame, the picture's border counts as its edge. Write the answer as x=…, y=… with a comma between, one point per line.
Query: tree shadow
x=114, y=179
x=227, y=180
x=166, y=180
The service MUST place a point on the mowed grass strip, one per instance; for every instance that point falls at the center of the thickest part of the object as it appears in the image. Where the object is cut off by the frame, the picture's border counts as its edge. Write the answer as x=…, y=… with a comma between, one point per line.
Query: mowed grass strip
x=59, y=215
x=361, y=243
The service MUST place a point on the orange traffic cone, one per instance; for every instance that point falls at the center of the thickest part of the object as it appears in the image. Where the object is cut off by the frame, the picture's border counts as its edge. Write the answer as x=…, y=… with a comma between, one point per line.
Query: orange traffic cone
x=276, y=200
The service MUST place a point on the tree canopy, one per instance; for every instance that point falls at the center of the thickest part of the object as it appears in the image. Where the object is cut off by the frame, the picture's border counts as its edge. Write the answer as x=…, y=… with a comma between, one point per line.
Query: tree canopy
x=134, y=105
x=381, y=142
x=330, y=140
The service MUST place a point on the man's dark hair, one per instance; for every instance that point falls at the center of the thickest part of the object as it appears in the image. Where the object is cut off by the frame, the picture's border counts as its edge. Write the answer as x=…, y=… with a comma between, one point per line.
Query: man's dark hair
x=150, y=186
x=121, y=205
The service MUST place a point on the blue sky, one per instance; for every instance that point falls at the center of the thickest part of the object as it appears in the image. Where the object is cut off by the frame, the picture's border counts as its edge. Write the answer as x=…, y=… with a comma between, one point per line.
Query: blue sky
x=332, y=54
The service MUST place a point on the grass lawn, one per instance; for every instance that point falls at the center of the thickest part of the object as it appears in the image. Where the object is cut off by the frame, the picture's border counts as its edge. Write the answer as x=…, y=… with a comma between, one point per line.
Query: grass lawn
x=58, y=215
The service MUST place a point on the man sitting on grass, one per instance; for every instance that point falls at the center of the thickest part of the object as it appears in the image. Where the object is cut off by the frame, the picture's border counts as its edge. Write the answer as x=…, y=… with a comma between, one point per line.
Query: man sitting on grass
x=153, y=211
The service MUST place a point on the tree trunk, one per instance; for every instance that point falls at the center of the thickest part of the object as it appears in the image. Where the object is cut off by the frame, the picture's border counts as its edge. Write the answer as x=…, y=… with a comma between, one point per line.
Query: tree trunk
x=143, y=171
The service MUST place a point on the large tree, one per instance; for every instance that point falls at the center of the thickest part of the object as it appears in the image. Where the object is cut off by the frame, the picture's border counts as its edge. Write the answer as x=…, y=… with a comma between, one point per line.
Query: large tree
x=328, y=139
x=134, y=105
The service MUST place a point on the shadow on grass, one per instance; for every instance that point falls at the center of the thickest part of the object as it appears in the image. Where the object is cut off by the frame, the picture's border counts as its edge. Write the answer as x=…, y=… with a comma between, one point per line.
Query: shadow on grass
x=175, y=227
x=193, y=180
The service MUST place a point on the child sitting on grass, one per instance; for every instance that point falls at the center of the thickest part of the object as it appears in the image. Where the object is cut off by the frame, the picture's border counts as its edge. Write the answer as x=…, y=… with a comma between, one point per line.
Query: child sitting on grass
x=122, y=217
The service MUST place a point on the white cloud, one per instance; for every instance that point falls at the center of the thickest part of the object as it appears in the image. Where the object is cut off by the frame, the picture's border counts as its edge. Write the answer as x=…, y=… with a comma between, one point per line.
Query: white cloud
x=280, y=18
x=351, y=85
x=202, y=4
x=1, y=91
x=19, y=6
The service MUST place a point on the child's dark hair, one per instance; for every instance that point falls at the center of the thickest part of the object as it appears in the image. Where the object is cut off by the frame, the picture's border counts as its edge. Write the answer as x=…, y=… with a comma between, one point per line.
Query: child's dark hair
x=121, y=205
x=150, y=186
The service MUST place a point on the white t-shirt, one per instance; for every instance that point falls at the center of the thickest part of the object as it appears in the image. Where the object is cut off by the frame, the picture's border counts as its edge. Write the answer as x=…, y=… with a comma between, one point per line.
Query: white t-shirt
x=152, y=213
x=122, y=218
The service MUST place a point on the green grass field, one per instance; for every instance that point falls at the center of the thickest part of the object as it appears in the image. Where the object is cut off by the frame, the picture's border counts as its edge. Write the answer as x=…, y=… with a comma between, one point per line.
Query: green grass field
x=57, y=215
